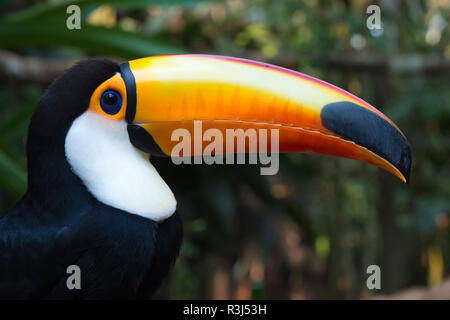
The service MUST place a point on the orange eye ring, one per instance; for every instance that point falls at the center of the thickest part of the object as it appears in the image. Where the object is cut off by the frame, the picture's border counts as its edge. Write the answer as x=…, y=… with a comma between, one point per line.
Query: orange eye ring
x=110, y=98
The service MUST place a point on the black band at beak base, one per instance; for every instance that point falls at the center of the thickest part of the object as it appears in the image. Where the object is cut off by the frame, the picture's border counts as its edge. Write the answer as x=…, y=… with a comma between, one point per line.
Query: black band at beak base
x=130, y=85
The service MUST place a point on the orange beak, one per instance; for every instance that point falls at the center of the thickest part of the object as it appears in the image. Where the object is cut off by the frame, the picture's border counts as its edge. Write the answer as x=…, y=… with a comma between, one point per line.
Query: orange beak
x=165, y=93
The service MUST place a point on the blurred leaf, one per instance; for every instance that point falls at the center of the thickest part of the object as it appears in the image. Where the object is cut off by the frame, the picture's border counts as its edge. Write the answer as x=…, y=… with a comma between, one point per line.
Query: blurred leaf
x=12, y=176
x=145, y=3
x=92, y=39
x=49, y=8
x=16, y=124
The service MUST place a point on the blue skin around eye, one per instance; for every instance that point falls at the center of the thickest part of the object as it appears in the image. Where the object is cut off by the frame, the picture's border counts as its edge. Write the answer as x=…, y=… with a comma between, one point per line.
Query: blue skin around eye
x=111, y=109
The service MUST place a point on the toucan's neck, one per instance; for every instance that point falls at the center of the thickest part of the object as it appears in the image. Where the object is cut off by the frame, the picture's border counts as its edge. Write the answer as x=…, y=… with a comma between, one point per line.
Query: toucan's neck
x=93, y=162
x=51, y=182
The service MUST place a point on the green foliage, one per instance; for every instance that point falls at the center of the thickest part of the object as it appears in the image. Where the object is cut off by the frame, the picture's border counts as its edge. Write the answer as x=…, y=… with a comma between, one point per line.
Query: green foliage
x=43, y=26
x=98, y=40
x=53, y=9
x=13, y=177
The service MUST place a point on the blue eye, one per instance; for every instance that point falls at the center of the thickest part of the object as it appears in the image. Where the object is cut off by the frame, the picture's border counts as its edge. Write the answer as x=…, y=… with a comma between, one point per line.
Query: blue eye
x=111, y=102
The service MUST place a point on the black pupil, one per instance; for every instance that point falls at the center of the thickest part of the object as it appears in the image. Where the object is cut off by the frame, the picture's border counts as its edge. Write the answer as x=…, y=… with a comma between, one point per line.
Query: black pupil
x=110, y=99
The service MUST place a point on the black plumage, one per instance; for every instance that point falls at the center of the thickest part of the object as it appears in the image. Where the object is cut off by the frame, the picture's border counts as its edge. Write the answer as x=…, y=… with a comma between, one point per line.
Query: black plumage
x=59, y=223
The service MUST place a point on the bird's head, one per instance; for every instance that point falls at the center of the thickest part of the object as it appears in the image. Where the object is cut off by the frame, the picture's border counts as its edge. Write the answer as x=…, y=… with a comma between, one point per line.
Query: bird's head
x=103, y=119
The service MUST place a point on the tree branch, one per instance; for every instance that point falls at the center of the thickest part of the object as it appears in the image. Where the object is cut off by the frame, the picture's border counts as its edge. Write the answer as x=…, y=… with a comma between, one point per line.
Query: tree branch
x=31, y=69
x=43, y=71
x=405, y=64
x=440, y=292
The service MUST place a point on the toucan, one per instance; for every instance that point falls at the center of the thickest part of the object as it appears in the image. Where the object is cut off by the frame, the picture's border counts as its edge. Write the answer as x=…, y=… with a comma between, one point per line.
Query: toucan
x=95, y=201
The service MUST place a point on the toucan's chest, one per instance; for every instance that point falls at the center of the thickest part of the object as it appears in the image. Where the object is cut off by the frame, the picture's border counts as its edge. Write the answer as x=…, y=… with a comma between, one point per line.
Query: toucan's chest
x=120, y=255
x=125, y=255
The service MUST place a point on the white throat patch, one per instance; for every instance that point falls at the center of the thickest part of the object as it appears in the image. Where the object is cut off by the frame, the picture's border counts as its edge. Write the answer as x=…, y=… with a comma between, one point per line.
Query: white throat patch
x=113, y=170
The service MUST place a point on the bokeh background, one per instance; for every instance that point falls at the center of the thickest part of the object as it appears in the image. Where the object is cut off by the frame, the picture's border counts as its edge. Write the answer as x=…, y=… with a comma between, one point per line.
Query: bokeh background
x=312, y=230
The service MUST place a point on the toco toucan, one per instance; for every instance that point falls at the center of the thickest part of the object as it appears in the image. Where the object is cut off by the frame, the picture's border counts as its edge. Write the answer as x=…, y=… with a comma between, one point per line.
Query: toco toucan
x=95, y=201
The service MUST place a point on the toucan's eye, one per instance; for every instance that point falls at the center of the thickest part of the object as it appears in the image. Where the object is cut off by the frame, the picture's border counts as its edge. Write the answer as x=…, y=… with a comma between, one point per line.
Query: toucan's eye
x=111, y=102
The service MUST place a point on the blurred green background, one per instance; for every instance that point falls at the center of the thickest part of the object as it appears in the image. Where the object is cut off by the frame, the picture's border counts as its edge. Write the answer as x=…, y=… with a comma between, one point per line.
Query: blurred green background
x=312, y=230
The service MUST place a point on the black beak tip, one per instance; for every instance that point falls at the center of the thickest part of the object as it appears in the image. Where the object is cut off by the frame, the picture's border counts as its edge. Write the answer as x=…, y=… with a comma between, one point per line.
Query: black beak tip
x=366, y=128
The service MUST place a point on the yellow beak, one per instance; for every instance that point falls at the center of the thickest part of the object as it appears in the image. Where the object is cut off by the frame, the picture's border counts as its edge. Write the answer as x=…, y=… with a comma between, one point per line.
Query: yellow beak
x=165, y=93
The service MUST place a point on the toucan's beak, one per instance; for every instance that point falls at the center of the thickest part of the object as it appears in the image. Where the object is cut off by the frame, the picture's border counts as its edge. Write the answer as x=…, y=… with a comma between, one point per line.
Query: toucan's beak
x=165, y=93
